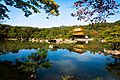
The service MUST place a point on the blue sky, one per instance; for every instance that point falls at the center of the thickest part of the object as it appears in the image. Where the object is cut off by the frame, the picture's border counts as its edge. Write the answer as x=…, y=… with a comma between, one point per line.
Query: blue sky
x=39, y=20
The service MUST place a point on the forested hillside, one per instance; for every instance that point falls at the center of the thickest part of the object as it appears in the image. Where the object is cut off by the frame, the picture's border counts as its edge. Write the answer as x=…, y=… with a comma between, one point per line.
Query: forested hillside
x=20, y=32
x=107, y=31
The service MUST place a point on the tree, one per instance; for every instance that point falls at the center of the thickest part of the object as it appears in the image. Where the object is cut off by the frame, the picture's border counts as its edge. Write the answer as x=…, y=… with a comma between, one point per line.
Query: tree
x=3, y=31
x=95, y=10
x=28, y=7
x=112, y=35
x=35, y=61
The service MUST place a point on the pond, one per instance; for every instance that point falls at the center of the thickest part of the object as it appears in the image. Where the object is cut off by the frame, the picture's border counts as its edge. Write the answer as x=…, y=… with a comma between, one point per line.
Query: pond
x=82, y=61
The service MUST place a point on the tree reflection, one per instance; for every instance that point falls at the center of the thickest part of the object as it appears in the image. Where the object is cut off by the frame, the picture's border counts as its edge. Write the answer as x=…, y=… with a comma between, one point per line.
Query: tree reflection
x=24, y=68
x=35, y=61
x=10, y=71
x=15, y=46
x=114, y=67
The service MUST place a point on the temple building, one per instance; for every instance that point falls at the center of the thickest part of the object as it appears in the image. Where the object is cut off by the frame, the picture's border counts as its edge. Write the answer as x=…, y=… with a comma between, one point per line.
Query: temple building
x=79, y=33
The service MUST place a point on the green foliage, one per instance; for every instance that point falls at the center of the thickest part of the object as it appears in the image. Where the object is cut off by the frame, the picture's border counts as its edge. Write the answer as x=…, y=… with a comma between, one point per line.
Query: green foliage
x=15, y=46
x=36, y=60
x=96, y=46
x=28, y=7
x=3, y=31
x=112, y=34
x=109, y=32
x=24, y=33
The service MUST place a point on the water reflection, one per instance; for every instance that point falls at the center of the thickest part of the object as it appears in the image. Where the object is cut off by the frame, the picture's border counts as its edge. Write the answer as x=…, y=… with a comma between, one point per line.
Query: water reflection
x=10, y=71
x=79, y=48
x=114, y=67
x=15, y=46
x=82, y=61
x=24, y=66
x=35, y=61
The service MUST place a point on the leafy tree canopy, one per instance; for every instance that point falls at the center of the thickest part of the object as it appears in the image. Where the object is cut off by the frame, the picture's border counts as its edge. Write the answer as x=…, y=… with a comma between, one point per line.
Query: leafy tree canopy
x=95, y=10
x=112, y=34
x=28, y=7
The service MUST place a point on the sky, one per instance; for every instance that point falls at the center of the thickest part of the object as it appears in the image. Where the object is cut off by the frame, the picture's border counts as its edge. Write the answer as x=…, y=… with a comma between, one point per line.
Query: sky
x=17, y=17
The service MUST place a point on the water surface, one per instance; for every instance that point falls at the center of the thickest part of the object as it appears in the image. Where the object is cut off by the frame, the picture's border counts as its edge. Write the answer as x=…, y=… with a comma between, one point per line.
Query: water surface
x=86, y=65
